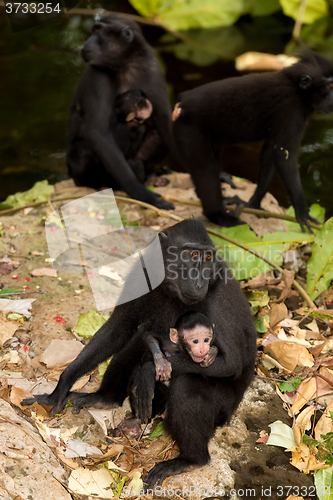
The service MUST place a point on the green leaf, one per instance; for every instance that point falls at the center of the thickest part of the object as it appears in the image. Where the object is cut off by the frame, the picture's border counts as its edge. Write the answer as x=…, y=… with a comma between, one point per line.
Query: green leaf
x=102, y=367
x=246, y=265
x=158, y=431
x=320, y=264
x=323, y=480
x=289, y=386
x=14, y=317
x=89, y=323
x=41, y=191
x=265, y=7
x=321, y=315
x=4, y=291
x=4, y=206
x=208, y=47
x=147, y=8
x=186, y=14
x=328, y=438
x=281, y=435
x=316, y=211
x=259, y=322
x=119, y=480
x=257, y=299
x=324, y=454
x=309, y=441
x=315, y=9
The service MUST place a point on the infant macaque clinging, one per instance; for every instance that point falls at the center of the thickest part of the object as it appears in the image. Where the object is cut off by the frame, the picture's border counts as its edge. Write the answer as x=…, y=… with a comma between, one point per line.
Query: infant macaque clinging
x=193, y=334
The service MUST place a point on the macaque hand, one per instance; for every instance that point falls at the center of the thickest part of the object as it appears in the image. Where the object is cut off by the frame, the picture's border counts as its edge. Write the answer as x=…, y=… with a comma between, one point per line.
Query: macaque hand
x=210, y=357
x=163, y=369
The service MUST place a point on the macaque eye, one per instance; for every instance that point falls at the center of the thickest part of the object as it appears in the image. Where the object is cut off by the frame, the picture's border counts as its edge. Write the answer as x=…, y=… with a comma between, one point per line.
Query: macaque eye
x=207, y=340
x=195, y=341
x=194, y=253
x=127, y=34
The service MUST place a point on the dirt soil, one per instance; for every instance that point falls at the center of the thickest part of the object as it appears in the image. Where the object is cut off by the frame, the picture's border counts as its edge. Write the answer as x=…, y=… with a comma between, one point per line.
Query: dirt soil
x=239, y=468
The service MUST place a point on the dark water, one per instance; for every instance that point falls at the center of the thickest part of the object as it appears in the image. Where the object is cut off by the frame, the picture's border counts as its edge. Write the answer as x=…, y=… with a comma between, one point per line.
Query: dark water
x=39, y=68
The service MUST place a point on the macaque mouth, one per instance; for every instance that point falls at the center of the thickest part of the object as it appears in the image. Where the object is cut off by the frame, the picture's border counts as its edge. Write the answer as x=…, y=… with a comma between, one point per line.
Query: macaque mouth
x=197, y=359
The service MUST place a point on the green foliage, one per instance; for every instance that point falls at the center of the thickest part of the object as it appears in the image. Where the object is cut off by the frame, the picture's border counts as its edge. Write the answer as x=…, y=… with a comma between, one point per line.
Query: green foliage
x=41, y=191
x=5, y=291
x=245, y=264
x=209, y=45
x=323, y=480
x=184, y=14
x=315, y=9
x=119, y=480
x=158, y=431
x=320, y=264
x=259, y=322
x=289, y=386
x=257, y=299
x=265, y=7
x=187, y=14
x=89, y=323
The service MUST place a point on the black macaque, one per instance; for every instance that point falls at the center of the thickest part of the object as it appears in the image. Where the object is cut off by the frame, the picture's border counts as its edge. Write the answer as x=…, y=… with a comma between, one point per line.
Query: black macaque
x=192, y=336
x=118, y=60
x=136, y=134
x=198, y=399
x=273, y=107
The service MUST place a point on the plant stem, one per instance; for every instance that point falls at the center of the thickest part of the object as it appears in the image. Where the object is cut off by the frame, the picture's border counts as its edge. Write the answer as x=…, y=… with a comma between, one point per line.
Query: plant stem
x=245, y=210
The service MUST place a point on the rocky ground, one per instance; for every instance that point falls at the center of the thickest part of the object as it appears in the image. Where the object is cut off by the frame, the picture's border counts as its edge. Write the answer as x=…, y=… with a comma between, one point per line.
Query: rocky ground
x=35, y=468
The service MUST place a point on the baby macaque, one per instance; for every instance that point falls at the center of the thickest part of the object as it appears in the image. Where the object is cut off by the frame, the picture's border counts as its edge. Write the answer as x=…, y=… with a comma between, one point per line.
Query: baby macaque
x=136, y=134
x=192, y=334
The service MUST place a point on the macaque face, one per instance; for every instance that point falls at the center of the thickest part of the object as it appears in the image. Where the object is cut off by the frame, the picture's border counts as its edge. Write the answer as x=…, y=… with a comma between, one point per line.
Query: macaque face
x=196, y=341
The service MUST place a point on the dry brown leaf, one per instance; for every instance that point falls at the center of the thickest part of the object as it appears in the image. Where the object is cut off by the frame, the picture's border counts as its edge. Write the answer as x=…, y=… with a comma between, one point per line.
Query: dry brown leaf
x=305, y=392
x=45, y=271
x=16, y=396
x=292, y=497
x=60, y=352
x=7, y=328
x=315, y=351
x=313, y=326
x=289, y=354
x=277, y=314
x=288, y=278
x=303, y=421
x=325, y=423
x=303, y=458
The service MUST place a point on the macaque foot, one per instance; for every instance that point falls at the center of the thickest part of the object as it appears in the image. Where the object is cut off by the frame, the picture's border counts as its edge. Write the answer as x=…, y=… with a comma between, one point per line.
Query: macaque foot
x=227, y=178
x=84, y=400
x=231, y=200
x=47, y=400
x=163, y=204
x=225, y=219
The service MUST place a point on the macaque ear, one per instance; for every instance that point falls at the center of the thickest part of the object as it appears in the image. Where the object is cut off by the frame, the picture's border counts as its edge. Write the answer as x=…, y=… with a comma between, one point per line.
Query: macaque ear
x=174, y=335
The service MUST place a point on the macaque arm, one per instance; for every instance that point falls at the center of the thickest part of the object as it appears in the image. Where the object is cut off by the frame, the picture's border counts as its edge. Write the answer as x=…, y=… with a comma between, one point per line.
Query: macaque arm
x=162, y=365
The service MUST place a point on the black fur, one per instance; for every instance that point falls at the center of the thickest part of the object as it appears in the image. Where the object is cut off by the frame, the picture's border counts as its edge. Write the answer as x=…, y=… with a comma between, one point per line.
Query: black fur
x=271, y=106
x=118, y=60
x=196, y=402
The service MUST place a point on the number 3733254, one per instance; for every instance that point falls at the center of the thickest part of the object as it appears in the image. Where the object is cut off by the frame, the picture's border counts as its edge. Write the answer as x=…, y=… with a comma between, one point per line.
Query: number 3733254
x=32, y=8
